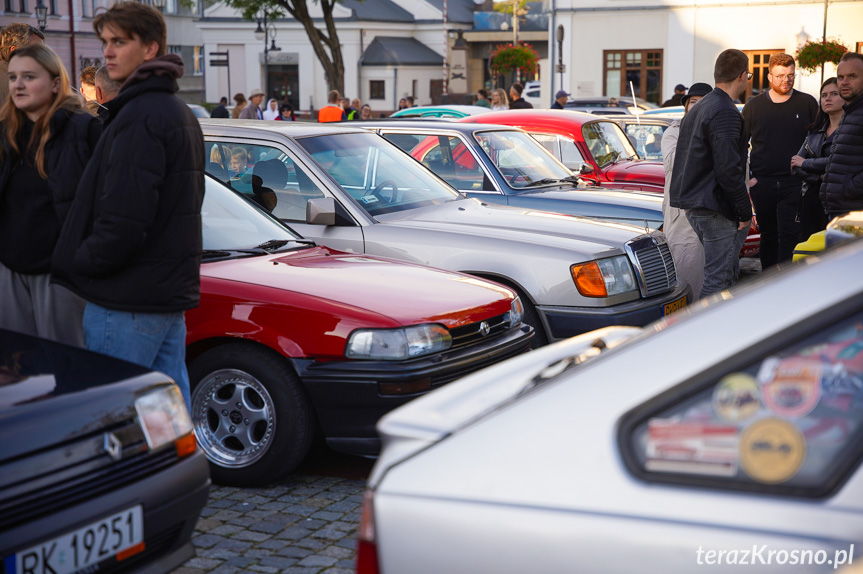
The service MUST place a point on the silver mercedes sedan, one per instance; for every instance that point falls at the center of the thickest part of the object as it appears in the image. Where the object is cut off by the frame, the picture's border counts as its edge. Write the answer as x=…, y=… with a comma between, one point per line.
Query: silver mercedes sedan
x=727, y=437
x=352, y=190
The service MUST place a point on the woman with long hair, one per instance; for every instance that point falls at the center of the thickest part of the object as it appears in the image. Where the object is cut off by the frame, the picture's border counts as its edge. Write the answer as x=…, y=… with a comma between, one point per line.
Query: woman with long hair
x=499, y=101
x=46, y=139
x=241, y=103
x=810, y=163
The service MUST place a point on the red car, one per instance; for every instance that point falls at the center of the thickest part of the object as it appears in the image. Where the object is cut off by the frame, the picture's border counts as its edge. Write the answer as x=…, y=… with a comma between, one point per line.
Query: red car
x=291, y=339
x=596, y=148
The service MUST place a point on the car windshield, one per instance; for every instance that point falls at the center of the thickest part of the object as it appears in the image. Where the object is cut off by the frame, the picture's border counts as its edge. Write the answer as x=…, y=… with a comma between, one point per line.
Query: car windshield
x=607, y=143
x=380, y=177
x=520, y=159
x=231, y=223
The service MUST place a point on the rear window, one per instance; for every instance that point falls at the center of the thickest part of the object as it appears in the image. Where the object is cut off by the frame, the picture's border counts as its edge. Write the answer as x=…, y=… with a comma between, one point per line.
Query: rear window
x=791, y=422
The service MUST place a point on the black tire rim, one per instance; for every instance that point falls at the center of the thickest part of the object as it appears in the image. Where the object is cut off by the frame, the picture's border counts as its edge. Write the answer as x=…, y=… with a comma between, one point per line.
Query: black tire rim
x=234, y=418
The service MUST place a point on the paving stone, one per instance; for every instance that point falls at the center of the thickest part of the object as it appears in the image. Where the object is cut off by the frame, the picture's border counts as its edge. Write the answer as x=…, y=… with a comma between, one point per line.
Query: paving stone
x=311, y=544
x=206, y=524
x=301, y=570
x=269, y=527
x=227, y=529
x=294, y=552
x=329, y=534
x=252, y=536
x=313, y=523
x=278, y=561
x=243, y=520
x=338, y=552
x=273, y=544
x=265, y=569
x=339, y=571
x=318, y=561
x=329, y=516
x=293, y=533
x=342, y=506
x=350, y=564
x=206, y=540
x=205, y=563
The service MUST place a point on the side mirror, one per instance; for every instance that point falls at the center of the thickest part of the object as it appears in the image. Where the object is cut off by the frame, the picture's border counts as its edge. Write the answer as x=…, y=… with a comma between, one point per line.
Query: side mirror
x=321, y=211
x=585, y=168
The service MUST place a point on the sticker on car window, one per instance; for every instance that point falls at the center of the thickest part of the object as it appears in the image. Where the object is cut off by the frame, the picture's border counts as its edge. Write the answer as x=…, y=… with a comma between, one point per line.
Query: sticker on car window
x=691, y=448
x=736, y=398
x=772, y=450
x=369, y=199
x=791, y=387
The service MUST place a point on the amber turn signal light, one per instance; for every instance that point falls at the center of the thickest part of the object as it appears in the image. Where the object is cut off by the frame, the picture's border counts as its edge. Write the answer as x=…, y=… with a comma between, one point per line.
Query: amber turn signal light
x=588, y=280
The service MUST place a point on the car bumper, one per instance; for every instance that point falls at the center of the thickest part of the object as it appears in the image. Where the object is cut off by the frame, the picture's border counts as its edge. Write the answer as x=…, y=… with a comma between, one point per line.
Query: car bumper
x=172, y=501
x=565, y=322
x=347, y=394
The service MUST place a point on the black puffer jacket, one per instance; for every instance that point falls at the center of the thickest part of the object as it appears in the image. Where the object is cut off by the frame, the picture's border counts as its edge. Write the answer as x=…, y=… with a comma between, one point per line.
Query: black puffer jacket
x=842, y=189
x=74, y=136
x=816, y=155
x=710, y=159
x=132, y=241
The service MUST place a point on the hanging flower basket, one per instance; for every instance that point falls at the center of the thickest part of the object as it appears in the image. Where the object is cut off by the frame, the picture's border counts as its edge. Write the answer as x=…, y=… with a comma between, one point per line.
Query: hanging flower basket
x=507, y=58
x=815, y=53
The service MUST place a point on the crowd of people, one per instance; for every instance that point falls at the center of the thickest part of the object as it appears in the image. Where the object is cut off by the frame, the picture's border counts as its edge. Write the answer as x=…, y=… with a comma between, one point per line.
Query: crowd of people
x=100, y=204
x=788, y=164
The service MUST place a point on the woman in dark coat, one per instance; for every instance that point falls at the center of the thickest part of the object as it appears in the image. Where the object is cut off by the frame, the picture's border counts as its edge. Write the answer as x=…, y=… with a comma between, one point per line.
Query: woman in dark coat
x=46, y=139
x=811, y=161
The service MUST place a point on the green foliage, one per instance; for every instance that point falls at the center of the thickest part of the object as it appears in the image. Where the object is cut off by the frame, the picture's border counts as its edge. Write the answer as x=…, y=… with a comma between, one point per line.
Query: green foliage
x=507, y=7
x=815, y=53
x=507, y=58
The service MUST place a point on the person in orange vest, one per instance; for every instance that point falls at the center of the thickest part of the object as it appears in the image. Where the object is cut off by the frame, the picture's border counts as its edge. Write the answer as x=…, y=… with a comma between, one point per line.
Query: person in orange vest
x=332, y=112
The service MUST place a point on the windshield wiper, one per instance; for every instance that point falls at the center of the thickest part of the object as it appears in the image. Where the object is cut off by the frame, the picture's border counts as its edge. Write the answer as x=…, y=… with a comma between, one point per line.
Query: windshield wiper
x=548, y=180
x=274, y=244
x=543, y=181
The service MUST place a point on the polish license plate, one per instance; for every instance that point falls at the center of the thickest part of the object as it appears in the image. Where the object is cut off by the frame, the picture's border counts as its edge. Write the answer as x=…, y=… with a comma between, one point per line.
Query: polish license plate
x=674, y=306
x=118, y=536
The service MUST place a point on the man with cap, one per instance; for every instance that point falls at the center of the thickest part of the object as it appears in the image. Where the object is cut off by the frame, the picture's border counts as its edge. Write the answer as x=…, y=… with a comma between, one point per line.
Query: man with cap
x=559, y=100
x=677, y=98
x=253, y=110
x=686, y=248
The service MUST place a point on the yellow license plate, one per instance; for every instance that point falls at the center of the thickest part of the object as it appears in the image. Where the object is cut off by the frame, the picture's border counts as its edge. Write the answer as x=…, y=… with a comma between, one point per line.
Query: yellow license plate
x=674, y=306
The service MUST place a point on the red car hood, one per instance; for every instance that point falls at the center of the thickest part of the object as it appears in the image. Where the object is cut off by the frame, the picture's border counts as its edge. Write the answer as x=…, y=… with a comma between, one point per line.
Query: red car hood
x=632, y=172
x=407, y=293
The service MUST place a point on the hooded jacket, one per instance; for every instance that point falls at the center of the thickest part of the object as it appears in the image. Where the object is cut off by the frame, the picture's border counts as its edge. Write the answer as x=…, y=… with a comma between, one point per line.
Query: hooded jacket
x=842, y=189
x=132, y=241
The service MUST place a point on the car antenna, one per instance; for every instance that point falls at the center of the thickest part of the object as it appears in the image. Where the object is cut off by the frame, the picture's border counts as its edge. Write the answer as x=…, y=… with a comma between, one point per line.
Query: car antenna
x=637, y=117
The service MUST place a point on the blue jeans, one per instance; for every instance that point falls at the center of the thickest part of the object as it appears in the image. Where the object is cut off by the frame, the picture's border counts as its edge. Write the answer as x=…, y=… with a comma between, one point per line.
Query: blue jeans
x=722, y=242
x=153, y=340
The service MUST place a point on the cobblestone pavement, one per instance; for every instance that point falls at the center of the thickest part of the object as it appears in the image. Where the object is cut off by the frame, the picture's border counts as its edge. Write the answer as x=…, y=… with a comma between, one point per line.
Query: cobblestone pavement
x=305, y=524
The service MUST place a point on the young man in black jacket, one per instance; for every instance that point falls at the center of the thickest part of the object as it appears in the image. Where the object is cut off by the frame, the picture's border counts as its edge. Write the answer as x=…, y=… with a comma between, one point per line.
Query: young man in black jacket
x=777, y=122
x=131, y=245
x=842, y=189
x=709, y=173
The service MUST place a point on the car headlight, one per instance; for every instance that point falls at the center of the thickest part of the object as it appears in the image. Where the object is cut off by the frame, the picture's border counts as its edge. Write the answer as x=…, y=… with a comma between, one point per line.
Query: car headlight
x=165, y=418
x=605, y=277
x=516, y=313
x=398, y=344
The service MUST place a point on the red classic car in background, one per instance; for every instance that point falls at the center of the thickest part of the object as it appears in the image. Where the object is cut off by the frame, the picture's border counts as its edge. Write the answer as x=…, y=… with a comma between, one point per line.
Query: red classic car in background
x=291, y=339
x=597, y=149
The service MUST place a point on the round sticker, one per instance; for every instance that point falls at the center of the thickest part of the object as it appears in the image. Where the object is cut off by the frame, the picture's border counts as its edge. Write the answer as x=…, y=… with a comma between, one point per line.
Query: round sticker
x=772, y=450
x=735, y=398
x=791, y=387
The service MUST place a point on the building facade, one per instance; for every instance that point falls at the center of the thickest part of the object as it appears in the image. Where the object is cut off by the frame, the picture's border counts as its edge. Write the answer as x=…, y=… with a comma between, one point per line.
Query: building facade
x=657, y=45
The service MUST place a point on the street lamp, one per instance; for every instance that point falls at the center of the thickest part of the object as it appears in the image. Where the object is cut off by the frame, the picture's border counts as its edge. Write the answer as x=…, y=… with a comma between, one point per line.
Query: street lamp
x=159, y=4
x=264, y=32
x=41, y=15
x=560, y=67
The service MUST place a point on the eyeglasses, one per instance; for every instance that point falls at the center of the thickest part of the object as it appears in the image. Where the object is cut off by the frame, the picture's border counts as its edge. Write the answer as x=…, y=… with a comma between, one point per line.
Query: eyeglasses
x=782, y=77
x=748, y=75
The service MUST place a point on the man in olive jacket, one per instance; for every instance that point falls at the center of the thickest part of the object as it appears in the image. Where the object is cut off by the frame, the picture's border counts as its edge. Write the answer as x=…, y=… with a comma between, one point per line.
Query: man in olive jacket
x=842, y=189
x=131, y=245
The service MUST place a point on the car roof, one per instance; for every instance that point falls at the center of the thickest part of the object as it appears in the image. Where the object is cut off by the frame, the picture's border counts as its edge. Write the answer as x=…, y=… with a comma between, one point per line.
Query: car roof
x=464, y=109
x=457, y=126
x=288, y=129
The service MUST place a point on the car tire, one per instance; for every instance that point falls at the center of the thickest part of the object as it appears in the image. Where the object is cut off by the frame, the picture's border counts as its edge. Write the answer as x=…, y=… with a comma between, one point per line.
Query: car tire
x=252, y=418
